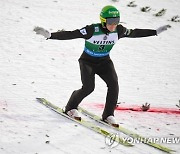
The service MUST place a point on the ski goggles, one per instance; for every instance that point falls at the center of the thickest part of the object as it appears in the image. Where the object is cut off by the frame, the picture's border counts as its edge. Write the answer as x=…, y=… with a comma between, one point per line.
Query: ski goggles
x=112, y=21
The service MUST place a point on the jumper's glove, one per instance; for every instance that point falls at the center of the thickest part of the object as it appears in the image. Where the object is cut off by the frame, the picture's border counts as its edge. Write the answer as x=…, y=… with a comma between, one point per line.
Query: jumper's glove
x=42, y=31
x=162, y=29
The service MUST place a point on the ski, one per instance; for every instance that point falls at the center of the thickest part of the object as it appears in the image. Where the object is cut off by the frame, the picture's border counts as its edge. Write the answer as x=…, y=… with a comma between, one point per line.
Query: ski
x=85, y=123
x=126, y=131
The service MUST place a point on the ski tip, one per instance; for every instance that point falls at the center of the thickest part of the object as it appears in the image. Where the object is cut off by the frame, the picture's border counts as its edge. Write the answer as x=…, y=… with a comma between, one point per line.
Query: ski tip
x=38, y=98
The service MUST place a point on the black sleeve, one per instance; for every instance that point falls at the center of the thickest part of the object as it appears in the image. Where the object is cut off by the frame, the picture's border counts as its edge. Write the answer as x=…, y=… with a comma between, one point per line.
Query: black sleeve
x=134, y=33
x=85, y=32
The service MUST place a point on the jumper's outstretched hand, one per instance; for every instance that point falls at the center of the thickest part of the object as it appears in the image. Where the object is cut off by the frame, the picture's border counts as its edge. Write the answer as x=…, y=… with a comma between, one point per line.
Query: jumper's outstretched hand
x=162, y=29
x=42, y=31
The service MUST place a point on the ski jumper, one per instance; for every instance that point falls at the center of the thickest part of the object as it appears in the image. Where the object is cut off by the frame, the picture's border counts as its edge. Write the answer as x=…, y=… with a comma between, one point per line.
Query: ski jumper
x=95, y=59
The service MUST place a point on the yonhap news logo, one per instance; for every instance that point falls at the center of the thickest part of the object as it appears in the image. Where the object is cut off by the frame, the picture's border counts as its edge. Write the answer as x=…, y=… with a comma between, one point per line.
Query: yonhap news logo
x=113, y=140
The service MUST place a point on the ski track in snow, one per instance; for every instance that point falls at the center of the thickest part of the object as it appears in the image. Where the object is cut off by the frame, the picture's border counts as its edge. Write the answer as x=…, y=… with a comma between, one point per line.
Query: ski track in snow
x=30, y=67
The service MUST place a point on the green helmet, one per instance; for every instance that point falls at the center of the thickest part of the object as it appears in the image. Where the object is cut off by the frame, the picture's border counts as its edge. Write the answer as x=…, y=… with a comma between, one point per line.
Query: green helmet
x=109, y=11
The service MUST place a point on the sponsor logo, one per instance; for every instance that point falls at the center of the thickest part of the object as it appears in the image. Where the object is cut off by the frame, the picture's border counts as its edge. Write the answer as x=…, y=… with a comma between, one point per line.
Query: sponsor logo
x=83, y=31
x=103, y=42
x=113, y=12
x=96, y=29
x=105, y=37
x=112, y=140
x=127, y=32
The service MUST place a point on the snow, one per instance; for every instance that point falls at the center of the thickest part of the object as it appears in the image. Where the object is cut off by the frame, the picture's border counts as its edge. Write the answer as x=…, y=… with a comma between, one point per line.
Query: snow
x=30, y=67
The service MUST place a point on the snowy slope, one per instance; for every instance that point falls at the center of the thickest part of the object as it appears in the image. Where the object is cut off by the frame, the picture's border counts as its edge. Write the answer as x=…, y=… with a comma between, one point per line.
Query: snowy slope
x=30, y=67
